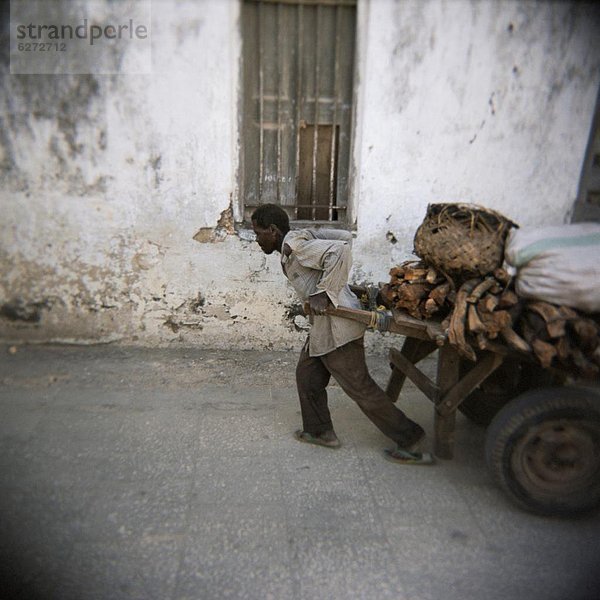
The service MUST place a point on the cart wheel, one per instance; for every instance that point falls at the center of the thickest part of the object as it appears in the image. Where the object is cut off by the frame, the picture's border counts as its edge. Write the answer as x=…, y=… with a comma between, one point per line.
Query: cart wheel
x=543, y=449
x=508, y=381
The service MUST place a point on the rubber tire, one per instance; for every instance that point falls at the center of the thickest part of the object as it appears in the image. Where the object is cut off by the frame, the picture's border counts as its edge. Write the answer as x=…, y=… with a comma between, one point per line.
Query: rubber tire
x=513, y=469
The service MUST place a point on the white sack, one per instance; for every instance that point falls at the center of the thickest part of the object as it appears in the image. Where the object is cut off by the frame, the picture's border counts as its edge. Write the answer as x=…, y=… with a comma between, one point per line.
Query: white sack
x=559, y=264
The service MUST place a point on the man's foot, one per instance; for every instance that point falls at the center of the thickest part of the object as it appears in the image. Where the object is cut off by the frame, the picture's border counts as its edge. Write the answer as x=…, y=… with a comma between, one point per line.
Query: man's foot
x=328, y=439
x=406, y=457
x=412, y=442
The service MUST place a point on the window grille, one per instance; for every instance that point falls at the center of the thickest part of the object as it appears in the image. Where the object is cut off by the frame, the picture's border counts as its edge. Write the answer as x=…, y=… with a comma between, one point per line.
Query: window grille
x=298, y=65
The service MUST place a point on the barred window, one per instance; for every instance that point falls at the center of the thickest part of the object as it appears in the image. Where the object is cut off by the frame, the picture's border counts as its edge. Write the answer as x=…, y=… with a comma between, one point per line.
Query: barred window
x=298, y=67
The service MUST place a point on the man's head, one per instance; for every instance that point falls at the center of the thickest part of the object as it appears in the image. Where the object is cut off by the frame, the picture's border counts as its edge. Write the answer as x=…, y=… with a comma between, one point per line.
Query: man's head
x=270, y=224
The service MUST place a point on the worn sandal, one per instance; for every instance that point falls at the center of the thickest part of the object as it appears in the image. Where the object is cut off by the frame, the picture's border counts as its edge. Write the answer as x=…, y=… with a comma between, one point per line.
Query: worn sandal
x=308, y=438
x=405, y=457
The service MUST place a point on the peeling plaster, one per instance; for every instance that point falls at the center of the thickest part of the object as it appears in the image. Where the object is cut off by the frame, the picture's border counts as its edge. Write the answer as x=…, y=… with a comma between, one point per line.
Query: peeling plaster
x=224, y=227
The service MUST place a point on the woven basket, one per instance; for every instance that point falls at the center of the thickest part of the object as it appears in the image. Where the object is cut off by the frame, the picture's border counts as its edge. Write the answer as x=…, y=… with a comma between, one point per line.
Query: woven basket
x=463, y=240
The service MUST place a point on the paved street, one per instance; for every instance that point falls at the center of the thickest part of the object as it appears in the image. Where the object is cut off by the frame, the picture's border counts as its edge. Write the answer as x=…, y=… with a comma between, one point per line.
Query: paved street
x=173, y=475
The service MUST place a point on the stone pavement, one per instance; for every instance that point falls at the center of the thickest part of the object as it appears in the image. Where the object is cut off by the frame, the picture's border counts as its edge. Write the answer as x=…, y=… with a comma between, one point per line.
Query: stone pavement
x=173, y=475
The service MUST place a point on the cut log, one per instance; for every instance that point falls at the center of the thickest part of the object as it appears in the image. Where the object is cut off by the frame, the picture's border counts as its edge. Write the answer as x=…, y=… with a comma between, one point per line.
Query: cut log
x=514, y=340
x=556, y=329
x=480, y=289
x=555, y=322
x=397, y=272
x=567, y=312
x=547, y=311
x=544, y=351
x=508, y=298
x=563, y=349
x=430, y=307
x=411, y=294
x=482, y=341
x=388, y=295
x=586, y=332
x=495, y=322
x=489, y=303
x=537, y=325
x=475, y=324
x=502, y=275
x=431, y=276
x=414, y=273
x=440, y=293
x=496, y=289
x=456, y=330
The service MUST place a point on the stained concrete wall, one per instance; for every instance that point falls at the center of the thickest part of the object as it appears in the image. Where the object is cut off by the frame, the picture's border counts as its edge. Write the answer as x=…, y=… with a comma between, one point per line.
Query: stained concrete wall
x=106, y=179
x=485, y=102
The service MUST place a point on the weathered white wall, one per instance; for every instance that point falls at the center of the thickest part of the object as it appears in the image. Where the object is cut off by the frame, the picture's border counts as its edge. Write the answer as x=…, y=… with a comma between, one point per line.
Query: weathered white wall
x=476, y=101
x=107, y=179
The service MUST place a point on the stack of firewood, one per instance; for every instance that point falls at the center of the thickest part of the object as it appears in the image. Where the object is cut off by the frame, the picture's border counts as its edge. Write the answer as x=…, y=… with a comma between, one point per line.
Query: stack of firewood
x=418, y=290
x=558, y=336
x=486, y=309
x=562, y=336
x=459, y=279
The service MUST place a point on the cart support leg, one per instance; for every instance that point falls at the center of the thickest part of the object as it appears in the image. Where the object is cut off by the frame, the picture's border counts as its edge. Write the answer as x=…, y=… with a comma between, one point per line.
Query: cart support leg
x=414, y=350
x=447, y=376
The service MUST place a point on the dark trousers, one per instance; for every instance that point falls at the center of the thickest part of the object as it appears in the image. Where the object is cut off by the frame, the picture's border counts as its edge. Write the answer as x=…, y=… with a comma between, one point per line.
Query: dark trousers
x=348, y=367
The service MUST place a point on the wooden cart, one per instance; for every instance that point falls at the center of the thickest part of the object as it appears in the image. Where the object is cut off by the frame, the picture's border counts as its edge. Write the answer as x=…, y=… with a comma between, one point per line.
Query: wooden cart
x=451, y=386
x=542, y=448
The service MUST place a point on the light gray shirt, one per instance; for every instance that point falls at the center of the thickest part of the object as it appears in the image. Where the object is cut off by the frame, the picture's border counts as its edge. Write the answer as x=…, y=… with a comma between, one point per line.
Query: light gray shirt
x=320, y=261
